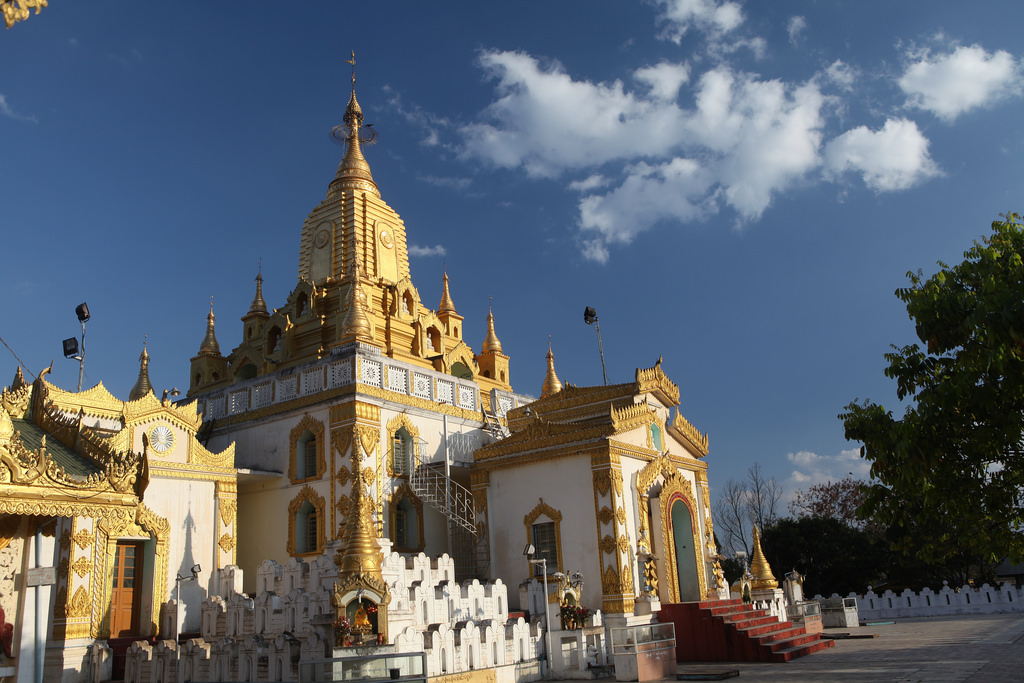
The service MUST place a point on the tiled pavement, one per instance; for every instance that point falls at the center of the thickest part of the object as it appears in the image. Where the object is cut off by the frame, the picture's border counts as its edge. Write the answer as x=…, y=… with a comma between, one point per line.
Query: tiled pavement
x=971, y=648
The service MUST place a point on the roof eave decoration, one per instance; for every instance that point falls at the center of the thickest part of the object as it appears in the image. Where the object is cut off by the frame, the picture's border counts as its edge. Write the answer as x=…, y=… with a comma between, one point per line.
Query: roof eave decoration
x=97, y=401
x=540, y=434
x=187, y=415
x=632, y=416
x=681, y=426
x=654, y=380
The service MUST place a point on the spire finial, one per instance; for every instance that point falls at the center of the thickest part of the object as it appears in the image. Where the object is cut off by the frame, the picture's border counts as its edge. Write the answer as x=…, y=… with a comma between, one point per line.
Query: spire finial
x=491, y=343
x=352, y=61
x=552, y=385
x=258, y=305
x=353, y=172
x=446, y=305
x=209, y=346
x=142, y=384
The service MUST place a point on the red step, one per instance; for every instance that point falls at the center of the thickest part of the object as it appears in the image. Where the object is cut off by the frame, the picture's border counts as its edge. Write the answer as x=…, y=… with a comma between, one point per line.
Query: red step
x=730, y=630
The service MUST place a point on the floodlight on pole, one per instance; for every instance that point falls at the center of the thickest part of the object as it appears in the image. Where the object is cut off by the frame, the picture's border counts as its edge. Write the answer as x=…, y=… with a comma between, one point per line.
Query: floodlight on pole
x=590, y=318
x=72, y=349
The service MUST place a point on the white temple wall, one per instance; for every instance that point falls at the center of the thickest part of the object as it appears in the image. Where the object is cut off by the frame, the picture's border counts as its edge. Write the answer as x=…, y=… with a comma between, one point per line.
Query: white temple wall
x=565, y=485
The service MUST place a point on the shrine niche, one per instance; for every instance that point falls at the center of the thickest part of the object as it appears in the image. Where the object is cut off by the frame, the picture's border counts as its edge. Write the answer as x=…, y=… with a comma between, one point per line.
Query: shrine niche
x=360, y=611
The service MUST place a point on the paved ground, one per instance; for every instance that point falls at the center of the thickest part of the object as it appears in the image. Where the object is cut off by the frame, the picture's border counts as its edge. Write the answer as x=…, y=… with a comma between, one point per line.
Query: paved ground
x=971, y=648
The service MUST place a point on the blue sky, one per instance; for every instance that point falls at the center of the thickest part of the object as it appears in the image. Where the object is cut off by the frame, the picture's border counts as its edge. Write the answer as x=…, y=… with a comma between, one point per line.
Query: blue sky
x=737, y=187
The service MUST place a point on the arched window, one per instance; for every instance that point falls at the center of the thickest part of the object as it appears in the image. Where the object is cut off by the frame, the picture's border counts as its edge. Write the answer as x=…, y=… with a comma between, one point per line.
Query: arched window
x=300, y=304
x=460, y=370
x=305, y=529
x=307, y=445
x=401, y=452
x=306, y=532
x=406, y=520
x=305, y=456
x=656, y=438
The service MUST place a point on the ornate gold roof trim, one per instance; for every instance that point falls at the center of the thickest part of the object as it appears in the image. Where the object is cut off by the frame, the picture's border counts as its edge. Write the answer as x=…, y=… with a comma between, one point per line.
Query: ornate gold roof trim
x=630, y=417
x=97, y=401
x=686, y=430
x=654, y=380
x=185, y=414
x=541, y=434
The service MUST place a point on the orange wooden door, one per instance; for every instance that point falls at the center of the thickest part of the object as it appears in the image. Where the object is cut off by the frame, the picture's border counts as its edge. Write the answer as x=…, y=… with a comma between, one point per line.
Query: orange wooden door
x=126, y=591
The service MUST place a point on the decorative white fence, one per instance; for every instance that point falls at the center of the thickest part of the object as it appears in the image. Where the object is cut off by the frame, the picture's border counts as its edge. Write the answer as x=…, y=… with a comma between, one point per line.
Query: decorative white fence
x=947, y=601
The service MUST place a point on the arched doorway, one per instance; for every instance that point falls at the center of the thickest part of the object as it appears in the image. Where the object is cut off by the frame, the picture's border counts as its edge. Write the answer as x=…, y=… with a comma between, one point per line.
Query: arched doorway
x=686, y=558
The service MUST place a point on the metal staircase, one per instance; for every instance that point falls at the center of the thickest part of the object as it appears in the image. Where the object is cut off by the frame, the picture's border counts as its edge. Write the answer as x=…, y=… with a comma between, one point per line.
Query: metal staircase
x=455, y=501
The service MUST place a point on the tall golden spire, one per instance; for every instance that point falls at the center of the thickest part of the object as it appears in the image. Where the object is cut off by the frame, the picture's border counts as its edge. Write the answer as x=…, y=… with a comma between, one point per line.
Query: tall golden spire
x=258, y=304
x=759, y=567
x=446, y=305
x=552, y=385
x=491, y=343
x=209, y=347
x=142, y=384
x=353, y=171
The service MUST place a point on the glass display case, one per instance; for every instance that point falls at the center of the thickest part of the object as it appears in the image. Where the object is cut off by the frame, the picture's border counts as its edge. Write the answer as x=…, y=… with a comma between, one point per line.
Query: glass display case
x=409, y=667
x=644, y=653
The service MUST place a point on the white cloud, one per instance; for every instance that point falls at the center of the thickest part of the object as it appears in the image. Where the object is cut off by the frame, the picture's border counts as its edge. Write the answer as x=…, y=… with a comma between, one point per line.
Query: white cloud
x=6, y=110
x=893, y=158
x=709, y=16
x=840, y=74
x=453, y=183
x=795, y=28
x=664, y=80
x=428, y=123
x=436, y=250
x=589, y=183
x=956, y=82
x=810, y=468
x=546, y=122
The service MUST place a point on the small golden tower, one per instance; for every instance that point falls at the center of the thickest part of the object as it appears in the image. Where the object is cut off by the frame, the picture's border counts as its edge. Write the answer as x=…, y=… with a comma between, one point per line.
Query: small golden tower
x=759, y=567
x=493, y=363
x=142, y=384
x=209, y=367
x=447, y=314
x=552, y=385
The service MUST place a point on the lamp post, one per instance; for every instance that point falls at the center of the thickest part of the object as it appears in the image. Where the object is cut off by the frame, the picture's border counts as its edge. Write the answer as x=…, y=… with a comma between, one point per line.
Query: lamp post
x=529, y=551
x=177, y=616
x=590, y=318
x=71, y=347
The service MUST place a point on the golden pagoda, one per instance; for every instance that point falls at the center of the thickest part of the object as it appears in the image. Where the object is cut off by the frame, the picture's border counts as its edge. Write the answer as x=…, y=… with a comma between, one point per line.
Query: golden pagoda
x=759, y=567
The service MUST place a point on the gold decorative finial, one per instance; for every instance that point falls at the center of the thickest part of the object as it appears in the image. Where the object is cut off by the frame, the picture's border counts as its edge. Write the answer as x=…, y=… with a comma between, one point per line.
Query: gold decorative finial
x=209, y=346
x=759, y=567
x=142, y=384
x=258, y=304
x=353, y=171
x=491, y=343
x=552, y=385
x=446, y=305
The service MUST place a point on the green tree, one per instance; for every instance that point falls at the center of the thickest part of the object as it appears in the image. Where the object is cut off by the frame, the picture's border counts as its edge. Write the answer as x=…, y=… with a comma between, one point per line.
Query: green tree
x=947, y=476
x=833, y=556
